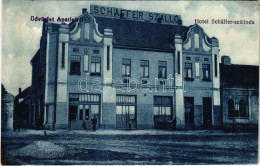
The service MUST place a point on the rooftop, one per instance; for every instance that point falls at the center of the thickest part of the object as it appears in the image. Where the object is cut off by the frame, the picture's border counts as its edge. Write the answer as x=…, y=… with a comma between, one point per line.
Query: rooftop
x=239, y=76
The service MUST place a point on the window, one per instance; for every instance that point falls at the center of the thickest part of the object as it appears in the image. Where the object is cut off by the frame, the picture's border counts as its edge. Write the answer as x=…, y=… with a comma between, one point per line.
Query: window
x=206, y=59
x=179, y=62
x=162, y=105
x=75, y=65
x=197, y=69
x=108, y=57
x=80, y=112
x=206, y=72
x=216, y=65
x=63, y=56
x=95, y=66
x=188, y=58
x=231, y=108
x=86, y=63
x=95, y=51
x=162, y=69
x=75, y=49
x=86, y=112
x=196, y=41
x=126, y=68
x=242, y=108
x=239, y=111
x=94, y=109
x=188, y=71
x=144, y=68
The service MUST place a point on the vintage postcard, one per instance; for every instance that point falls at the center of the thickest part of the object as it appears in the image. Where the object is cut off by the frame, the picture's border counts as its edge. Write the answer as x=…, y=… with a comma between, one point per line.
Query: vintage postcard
x=129, y=82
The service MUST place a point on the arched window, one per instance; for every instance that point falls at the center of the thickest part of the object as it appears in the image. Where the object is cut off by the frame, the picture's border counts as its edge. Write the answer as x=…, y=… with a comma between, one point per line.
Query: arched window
x=231, y=108
x=196, y=41
x=242, y=108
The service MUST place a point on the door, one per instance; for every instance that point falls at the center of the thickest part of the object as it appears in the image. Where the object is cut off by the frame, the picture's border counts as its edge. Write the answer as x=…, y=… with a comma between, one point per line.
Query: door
x=126, y=117
x=189, y=112
x=162, y=111
x=207, y=112
x=72, y=115
x=80, y=116
x=162, y=117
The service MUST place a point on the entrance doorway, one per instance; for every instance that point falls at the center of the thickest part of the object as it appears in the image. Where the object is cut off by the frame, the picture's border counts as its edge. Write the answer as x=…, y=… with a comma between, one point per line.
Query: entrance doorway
x=207, y=112
x=125, y=117
x=126, y=112
x=162, y=111
x=189, y=112
x=80, y=116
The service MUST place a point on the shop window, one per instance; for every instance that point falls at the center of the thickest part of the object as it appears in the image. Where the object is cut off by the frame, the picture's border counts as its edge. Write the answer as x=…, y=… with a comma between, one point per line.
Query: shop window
x=242, y=108
x=95, y=66
x=94, y=109
x=80, y=112
x=86, y=112
x=144, y=68
x=126, y=68
x=162, y=65
x=206, y=72
x=125, y=110
x=162, y=110
x=123, y=99
x=75, y=65
x=188, y=72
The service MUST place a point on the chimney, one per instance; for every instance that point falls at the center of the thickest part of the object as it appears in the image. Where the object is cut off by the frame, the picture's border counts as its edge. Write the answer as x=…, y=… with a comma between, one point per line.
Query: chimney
x=84, y=10
x=225, y=60
x=20, y=90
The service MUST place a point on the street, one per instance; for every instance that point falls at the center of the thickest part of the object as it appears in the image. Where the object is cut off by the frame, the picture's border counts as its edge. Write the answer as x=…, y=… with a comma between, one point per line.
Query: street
x=128, y=147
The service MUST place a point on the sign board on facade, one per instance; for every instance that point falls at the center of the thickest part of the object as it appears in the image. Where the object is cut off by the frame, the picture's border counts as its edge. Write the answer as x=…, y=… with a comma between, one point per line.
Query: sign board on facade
x=136, y=15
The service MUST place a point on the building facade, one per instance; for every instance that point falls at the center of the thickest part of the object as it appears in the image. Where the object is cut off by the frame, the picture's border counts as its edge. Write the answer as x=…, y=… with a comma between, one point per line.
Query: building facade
x=132, y=69
x=240, y=91
x=22, y=103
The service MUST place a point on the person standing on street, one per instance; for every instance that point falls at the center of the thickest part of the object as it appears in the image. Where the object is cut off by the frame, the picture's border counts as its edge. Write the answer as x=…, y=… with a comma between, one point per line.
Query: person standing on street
x=94, y=122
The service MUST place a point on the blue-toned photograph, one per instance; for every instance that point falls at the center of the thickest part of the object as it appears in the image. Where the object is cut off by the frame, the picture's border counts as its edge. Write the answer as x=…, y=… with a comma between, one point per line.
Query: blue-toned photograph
x=129, y=82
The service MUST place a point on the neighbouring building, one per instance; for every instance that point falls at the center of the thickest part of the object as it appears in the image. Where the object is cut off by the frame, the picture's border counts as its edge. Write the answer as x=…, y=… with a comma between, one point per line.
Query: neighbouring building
x=7, y=111
x=132, y=69
x=22, y=104
x=240, y=91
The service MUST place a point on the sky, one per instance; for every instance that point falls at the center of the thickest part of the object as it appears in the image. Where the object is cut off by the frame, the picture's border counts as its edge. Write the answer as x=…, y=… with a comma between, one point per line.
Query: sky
x=21, y=37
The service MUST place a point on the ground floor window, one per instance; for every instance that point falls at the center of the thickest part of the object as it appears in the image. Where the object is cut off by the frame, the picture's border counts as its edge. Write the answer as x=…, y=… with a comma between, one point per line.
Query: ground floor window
x=83, y=112
x=126, y=111
x=163, y=112
x=237, y=109
x=82, y=108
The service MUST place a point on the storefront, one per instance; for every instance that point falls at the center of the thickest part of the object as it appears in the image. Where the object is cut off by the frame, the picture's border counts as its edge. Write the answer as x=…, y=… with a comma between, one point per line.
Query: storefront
x=163, y=112
x=126, y=112
x=82, y=107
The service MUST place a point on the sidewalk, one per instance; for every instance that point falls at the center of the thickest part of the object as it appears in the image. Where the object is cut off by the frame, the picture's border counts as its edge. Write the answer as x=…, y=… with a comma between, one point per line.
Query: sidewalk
x=32, y=132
